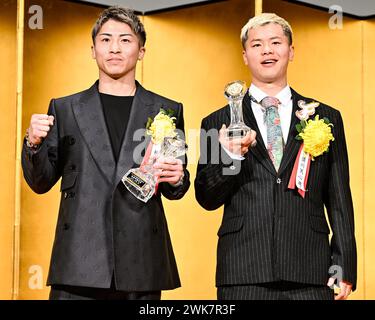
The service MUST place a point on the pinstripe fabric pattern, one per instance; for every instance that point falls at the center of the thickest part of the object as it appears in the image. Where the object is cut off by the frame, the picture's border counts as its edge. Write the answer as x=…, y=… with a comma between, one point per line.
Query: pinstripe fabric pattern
x=268, y=232
x=275, y=291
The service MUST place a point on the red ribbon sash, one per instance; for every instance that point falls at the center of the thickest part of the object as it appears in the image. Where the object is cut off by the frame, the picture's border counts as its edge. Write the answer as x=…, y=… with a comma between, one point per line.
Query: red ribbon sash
x=300, y=173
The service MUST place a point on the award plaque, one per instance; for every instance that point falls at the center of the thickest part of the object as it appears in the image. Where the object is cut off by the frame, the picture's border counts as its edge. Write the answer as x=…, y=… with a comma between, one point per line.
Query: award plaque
x=234, y=92
x=141, y=181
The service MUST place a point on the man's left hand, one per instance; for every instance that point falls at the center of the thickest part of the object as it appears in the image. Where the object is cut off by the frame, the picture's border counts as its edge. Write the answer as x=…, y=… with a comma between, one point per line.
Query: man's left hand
x=345, y=289
x=169, y=170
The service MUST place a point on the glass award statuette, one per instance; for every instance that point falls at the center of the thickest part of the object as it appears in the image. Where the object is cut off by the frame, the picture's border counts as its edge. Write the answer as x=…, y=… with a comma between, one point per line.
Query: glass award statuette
x=141, y=181
x=234, y=92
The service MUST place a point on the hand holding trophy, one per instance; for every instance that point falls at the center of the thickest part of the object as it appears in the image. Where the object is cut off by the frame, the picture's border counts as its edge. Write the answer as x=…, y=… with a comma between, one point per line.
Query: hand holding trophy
x=234, y=92
x=141, y=182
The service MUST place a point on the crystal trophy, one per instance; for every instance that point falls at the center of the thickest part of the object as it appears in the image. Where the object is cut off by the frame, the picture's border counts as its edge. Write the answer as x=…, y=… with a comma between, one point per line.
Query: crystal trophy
x=234, y=92
x=141, y=181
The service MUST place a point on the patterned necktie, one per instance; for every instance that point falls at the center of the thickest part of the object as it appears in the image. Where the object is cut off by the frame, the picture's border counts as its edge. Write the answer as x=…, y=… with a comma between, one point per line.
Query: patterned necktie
x=275, y=141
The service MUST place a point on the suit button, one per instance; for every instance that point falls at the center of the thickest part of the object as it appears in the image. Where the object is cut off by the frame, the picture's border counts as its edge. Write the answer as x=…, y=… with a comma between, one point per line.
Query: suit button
x=66, y=226
x=278, y=181
x=69, y=195
x=72, y=141
x=72, y=167
x=155, y=230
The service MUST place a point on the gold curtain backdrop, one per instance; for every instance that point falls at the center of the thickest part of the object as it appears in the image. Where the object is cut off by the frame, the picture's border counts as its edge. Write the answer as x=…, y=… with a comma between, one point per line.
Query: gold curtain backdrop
x=191, y=54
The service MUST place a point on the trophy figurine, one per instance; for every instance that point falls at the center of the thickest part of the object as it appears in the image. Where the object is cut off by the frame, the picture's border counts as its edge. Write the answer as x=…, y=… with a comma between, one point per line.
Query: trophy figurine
x=234, y=92
x=141, y=181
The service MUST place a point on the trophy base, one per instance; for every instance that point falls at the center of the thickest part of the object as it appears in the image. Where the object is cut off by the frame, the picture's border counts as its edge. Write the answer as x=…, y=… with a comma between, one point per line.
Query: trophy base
x=140, y=184
x=237, y=132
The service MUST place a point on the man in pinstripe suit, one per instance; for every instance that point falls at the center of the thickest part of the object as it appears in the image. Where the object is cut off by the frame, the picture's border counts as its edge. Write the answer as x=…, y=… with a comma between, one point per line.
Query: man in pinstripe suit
x=273, y=243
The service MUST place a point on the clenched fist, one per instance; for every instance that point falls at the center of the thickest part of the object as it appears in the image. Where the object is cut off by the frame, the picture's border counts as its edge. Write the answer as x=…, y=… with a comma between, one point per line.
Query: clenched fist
x=40, y=125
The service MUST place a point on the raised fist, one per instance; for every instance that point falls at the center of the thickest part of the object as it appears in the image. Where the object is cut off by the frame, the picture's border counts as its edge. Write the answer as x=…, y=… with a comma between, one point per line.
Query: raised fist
x=40, y=125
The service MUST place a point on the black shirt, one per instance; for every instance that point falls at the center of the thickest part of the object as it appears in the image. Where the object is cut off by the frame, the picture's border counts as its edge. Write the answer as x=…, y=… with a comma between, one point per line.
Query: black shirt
x=116, y=112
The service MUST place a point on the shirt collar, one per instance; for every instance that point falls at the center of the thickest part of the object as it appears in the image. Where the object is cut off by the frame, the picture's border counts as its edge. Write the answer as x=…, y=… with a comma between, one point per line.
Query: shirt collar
x=284, y=95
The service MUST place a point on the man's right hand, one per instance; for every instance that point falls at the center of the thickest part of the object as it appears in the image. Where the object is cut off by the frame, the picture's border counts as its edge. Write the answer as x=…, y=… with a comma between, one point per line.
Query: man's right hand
x=40, y=125
x=239, y=146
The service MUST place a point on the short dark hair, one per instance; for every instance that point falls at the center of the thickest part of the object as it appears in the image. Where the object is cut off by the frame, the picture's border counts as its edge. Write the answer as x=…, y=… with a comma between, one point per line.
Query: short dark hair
x=124, y=15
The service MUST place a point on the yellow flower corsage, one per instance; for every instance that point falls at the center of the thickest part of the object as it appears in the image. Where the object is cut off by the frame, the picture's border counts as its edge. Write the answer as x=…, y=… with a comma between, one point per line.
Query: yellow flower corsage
x=316, y=135
x=161, y=126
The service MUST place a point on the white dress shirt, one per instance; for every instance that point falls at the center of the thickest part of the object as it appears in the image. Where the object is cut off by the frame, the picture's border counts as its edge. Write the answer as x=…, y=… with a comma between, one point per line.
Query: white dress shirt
x=285, y=113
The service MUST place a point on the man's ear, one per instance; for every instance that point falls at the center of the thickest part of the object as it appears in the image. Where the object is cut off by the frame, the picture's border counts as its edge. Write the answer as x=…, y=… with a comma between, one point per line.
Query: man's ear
x=291, y=53
x=141, y=54
x=93, y=51
x=245, y=57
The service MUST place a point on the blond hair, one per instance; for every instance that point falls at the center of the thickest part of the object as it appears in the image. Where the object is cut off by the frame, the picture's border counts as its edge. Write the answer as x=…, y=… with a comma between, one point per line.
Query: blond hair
x=263, y=19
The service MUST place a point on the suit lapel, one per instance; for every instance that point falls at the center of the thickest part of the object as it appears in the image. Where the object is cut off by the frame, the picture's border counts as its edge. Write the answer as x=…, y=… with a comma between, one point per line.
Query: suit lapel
x=91, y=122
x=259, y=151
x=292, y=146
x=143, y=107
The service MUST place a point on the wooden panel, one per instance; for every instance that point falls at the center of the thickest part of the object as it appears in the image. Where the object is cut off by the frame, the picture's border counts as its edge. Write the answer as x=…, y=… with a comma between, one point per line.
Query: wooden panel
x=8, y=24
x=369, y=154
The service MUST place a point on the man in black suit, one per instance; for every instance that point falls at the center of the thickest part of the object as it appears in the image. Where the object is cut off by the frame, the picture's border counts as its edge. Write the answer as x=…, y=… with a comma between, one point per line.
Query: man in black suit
x=274, y=238
x=108, y=244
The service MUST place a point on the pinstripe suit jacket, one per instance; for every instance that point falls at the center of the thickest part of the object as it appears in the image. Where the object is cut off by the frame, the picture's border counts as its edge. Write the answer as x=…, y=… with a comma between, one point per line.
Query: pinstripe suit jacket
x=269, y=232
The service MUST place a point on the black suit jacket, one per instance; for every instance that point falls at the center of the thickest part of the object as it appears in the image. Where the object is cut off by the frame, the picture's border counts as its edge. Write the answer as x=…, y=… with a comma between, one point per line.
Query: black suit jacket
x=101, y=227
x=269, y=232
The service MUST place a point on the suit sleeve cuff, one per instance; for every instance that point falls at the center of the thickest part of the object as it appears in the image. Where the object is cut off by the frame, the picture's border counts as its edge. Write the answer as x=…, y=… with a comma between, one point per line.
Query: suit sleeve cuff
x=233, y=155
